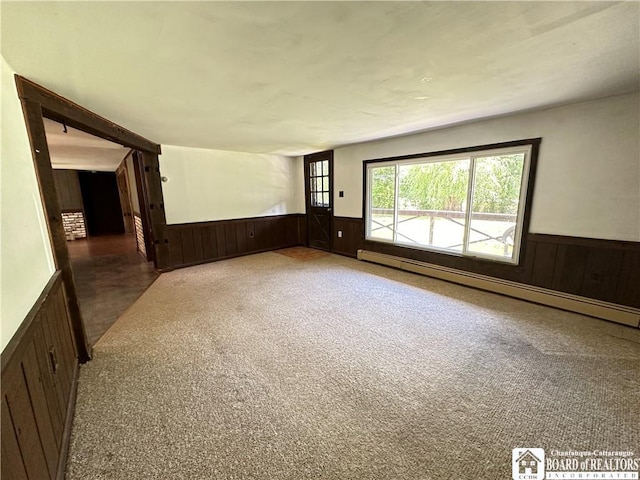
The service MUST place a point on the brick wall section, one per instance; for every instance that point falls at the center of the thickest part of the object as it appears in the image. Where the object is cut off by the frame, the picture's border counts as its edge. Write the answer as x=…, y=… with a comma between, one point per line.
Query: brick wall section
x=137, y=222
x=74, y=225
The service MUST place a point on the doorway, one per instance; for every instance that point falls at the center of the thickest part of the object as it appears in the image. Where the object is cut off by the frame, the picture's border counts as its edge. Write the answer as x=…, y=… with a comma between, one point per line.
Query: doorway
x=39, y=104
x=90, y=176
x=102, y=204
x=318, y=173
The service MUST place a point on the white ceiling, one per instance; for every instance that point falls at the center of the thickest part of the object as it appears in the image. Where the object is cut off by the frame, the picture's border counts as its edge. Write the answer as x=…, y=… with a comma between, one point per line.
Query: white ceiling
x=77, y=150
x=296, y=77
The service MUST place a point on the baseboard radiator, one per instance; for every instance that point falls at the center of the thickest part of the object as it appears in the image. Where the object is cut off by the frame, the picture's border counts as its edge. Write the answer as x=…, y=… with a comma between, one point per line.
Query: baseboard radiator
x=565, y=301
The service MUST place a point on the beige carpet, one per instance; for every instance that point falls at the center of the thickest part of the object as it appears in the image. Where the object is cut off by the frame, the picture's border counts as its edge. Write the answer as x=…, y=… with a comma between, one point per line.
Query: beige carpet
x=265, y=367
x=303, y=253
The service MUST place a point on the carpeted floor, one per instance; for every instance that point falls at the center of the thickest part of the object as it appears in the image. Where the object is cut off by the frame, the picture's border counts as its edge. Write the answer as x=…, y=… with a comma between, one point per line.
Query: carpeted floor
x=302, y=253
x=265, y=367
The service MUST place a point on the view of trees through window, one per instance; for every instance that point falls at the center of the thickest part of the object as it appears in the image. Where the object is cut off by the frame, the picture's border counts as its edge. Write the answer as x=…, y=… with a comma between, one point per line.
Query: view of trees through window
x=466, y=205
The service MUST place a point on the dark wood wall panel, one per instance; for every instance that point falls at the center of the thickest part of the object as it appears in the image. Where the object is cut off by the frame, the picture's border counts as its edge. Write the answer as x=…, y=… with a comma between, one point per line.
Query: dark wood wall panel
x=12, y=462
x=302, y=230
x=629, y=286
x=68, y=189
x=39, y=371
x=42, y=415
x=57, y=410
x=209, y=242
x=194, y=243
x=157, y=219
x=571, y=261
x=607, y=270
x=242, y=238
x=198, y=247
x=352, y=235
x=175, y=254
x=188, y=250
x=221, y=241
x=250, y=235
x=544, y=266
x=602, y=273
x=21, y=412
x=231, y=239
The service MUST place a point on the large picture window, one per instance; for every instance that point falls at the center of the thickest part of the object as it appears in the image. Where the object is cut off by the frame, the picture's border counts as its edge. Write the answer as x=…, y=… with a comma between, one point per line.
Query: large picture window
x=470, y=203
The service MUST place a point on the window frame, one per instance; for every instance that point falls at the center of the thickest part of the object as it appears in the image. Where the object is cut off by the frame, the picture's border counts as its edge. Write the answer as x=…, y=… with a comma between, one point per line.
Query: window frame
x=528, y=146
x=324, y=177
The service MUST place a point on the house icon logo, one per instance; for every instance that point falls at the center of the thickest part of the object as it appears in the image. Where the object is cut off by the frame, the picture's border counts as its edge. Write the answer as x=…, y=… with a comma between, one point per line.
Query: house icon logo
x=527, y=463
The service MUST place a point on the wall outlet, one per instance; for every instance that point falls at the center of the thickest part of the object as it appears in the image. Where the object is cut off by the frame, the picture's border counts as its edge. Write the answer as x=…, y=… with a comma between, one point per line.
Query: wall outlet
x=339, y=233
x=341, y=194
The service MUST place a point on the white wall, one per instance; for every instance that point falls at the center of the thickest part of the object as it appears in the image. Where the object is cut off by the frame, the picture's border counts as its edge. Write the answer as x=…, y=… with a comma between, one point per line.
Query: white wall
x=205, y=185
x=26, y=261
x=298, y=177
x=588, y=179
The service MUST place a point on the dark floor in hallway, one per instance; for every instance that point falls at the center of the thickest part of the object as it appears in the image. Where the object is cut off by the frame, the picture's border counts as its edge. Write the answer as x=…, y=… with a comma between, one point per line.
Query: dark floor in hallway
x=109, y=275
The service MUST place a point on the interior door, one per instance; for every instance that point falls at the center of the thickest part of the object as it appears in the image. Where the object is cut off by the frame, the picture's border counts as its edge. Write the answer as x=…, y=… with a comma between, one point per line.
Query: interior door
x=318, y=169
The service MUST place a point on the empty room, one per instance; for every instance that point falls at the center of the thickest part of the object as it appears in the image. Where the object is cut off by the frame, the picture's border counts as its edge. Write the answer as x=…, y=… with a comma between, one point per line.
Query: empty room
x=380, y=240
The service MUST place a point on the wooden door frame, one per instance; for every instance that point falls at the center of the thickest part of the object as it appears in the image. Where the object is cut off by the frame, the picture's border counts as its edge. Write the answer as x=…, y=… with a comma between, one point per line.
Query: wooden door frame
x=125, y=196
x=313, y=157
x=38, y=103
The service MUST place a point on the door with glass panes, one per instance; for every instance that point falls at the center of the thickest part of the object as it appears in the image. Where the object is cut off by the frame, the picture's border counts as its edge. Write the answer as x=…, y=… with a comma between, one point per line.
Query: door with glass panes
x=318, y=169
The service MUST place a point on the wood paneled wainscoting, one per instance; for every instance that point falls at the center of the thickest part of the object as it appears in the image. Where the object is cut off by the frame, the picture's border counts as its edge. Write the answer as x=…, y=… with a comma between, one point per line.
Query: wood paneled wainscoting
x=39, y=374
x=352, y=236
x=606, y=270
x=195, y=243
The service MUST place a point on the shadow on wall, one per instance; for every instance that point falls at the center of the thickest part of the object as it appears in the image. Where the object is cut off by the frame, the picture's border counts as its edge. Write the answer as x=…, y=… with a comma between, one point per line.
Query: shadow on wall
x=277, y=209
x=210, y=185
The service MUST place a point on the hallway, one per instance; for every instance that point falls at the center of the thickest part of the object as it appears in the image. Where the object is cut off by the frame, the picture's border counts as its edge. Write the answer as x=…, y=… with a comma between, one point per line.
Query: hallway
x=109, y=275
